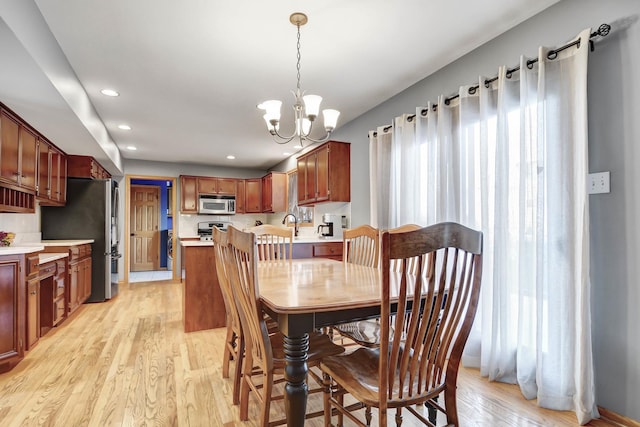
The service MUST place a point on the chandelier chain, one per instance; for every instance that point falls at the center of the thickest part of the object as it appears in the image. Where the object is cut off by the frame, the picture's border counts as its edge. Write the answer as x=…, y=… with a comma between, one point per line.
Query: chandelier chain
x=298, y=57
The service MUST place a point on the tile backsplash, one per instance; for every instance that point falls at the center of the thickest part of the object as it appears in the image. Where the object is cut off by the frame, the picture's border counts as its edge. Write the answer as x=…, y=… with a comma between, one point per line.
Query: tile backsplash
x=25, y=226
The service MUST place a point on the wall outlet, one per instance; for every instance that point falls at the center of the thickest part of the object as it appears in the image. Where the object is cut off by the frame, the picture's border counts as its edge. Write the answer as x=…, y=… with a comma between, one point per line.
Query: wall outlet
x=599, y=183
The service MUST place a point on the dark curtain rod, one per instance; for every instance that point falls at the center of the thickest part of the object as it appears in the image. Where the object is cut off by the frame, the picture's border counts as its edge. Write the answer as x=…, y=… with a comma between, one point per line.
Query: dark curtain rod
x=602, y=31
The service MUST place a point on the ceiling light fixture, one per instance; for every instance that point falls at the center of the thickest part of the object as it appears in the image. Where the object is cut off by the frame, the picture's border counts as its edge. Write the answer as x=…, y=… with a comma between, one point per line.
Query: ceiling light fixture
x=131, y=148
x=231, y=157
x=305, y=108
x=124, y=127
x=109, y=92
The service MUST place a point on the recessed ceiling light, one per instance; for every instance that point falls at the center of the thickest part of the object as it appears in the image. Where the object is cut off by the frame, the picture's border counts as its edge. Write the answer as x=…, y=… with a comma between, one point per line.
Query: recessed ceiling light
x=286, y=154
x=109, y=92
x=231, y=157
x=131, y=147
x=297, y=146
x=124, y=127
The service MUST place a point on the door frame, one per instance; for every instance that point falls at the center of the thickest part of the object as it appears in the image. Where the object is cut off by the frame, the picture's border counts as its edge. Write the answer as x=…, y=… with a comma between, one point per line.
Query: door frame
x=127, y=225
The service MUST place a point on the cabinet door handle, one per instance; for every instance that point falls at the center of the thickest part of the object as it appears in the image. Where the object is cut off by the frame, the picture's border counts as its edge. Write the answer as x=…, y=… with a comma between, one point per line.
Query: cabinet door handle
x=34, y=292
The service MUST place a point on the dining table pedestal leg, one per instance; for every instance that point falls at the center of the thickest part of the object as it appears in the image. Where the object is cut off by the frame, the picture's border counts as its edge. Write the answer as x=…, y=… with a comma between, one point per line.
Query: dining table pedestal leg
x=295, y=374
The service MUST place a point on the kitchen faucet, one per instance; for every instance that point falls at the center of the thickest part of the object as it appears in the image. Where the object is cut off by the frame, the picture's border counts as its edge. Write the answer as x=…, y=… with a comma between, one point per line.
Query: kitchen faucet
x=295, y=219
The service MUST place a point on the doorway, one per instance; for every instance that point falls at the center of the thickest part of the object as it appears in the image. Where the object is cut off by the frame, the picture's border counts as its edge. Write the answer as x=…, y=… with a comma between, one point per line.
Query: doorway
x=149, y=226
x=144, y=221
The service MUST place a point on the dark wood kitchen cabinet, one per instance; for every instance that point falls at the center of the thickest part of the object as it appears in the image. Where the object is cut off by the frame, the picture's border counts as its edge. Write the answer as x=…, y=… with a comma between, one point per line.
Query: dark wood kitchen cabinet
x=52, y=174
x=52, y=279
x=85, y=167
x=30, y=167
x=324, y=174
x=12, y=306
x=17, y=152
x=188, y=194
x=331, y=250
x=32, y=327
x=274, y=192
x=240, y=196
x=78, y=284
x=253, y=195
x=213, y=185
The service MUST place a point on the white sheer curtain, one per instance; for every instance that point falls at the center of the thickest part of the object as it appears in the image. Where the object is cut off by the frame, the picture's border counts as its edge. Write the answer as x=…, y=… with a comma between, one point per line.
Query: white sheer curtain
x=511, y=160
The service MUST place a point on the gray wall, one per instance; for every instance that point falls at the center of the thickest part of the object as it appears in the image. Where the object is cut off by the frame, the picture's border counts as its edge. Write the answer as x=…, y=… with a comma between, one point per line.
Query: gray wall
x=614, y=103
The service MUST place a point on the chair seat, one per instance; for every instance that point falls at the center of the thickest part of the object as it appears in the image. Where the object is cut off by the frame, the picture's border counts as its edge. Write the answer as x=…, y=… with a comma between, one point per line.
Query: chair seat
x=363, y=332
x=357, y=372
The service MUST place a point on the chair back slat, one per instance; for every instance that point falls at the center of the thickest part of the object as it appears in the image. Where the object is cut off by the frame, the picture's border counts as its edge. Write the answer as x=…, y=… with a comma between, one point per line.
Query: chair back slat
x=361, y=245
x=436, y=271
x=273, y=242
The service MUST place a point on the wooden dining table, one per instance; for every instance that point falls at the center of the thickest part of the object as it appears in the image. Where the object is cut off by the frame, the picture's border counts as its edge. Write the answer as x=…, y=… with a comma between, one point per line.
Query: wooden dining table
x=304, y=295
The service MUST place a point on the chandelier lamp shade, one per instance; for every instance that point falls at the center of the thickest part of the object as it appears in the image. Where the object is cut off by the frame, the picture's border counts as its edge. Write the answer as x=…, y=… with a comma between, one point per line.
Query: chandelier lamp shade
x=305, y=108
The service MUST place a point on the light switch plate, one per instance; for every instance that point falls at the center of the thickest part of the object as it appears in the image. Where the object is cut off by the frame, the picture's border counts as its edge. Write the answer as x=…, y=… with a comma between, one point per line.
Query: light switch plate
x=599, y=182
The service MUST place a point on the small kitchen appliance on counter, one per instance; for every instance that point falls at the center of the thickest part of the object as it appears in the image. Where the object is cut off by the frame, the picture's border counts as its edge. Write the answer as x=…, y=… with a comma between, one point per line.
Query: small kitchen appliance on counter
x=331, y=226
x=205, y=229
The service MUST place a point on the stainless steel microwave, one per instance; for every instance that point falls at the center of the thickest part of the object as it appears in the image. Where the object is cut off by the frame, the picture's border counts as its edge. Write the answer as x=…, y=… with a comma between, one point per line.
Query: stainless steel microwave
x=213, y=204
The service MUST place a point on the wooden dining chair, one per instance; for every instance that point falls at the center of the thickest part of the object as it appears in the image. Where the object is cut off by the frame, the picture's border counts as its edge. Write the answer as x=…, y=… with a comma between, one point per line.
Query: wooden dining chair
x=234, y=342
x=361, y=245
x=264, y=352
x=437, y=307
x=273, y=242
x=367, y=332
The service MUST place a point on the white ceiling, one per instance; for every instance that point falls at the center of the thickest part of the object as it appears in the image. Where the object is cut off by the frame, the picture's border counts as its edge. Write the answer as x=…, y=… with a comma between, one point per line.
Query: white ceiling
x=191, y=72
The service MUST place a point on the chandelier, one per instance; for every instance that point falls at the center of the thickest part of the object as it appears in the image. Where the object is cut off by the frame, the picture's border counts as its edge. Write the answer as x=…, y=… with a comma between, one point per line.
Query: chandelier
x=305, y=107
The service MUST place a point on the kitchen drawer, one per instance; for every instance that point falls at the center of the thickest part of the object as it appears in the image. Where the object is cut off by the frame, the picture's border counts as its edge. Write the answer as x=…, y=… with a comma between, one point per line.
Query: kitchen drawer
x=47, y=270
x=328, y=250
x=33, y=265
x=74, y=253
x=78, y=252
x=62, y=267
x=83, y=251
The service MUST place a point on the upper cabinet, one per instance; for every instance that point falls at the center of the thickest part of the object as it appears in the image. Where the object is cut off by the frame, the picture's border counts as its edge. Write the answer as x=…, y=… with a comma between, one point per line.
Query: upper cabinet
x=253, y=195
x=213, y=185
x=58, y=177
x=188, y=194
x=240, y=196
x=17, y=152
x=274, y=192
x=324, y=174
x=52, y=175
x=85, y=167
x=30, y=167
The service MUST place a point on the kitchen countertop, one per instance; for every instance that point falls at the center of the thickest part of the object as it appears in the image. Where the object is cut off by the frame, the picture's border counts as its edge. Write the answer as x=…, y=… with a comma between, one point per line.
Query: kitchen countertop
x=28, y=248
x=66, y=242
x=190, y=243
x=305, y=239
x=19, y=250
x=52, y=256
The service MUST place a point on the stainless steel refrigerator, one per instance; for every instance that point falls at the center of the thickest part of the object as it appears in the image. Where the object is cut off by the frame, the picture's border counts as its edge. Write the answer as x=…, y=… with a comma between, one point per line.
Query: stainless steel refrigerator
x=90, y=213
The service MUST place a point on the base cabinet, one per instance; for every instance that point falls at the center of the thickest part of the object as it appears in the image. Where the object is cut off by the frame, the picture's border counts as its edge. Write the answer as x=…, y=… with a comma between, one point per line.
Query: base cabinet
x=203, y=305
x=78, y=284
x=331, y=250
x=12, y=306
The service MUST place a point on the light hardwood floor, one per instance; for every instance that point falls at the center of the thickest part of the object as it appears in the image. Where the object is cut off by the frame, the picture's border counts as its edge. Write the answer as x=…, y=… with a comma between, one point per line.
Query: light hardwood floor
x=127, y=362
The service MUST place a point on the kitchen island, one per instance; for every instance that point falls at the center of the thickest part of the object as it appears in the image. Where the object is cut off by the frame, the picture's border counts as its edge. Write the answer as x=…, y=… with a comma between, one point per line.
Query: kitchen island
x=202, y=303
